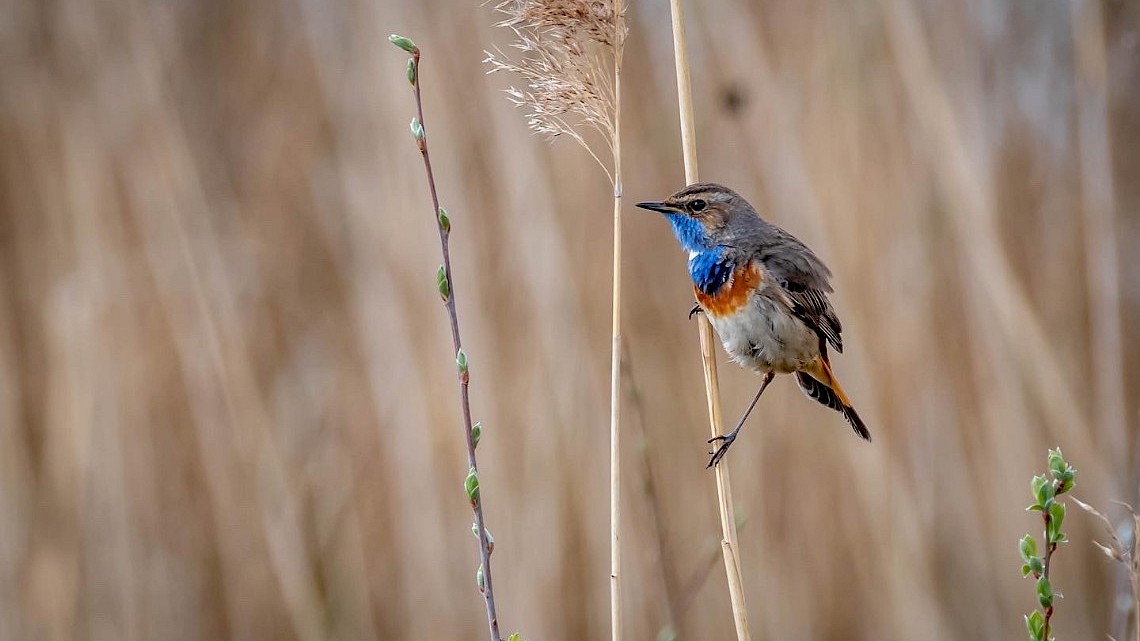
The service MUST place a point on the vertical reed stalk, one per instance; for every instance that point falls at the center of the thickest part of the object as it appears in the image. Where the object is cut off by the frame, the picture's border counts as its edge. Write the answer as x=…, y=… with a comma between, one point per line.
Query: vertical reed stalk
x=615, y=353
x=708, y=357
x=568, y=92
x=447, y=292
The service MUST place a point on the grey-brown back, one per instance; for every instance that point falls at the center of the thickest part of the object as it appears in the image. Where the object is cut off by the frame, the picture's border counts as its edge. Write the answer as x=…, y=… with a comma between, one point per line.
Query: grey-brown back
x=805, y=279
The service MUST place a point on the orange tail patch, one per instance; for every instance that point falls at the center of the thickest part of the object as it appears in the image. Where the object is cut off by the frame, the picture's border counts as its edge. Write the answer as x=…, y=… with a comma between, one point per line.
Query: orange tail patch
x=820, y=384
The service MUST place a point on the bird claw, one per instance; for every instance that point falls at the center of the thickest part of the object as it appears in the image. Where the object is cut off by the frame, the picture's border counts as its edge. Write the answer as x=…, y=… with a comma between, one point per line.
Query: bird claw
x=695, y=310
x=726, y=441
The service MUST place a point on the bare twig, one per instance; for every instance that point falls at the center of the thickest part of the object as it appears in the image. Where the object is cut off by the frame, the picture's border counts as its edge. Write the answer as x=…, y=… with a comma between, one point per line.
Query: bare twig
x=708, y=359
x=447, y=292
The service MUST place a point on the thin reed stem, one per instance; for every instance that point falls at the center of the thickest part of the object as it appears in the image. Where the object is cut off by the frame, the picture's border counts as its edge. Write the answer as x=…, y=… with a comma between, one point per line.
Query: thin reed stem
x=486, y=584
x=708, y=358
x=567, y=90
x=615, y=354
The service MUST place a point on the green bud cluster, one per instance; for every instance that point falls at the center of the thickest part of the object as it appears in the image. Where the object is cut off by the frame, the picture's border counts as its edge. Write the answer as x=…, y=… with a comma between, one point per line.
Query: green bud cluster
x=1046, y=490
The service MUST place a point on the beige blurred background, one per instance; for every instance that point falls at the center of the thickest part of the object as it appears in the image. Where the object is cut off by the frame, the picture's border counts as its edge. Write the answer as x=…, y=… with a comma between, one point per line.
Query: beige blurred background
x=227, y=405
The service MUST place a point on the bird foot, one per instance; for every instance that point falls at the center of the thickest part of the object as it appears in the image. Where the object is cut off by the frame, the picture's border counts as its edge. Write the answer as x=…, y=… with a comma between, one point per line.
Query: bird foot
x=726, y=441
x=695, y=310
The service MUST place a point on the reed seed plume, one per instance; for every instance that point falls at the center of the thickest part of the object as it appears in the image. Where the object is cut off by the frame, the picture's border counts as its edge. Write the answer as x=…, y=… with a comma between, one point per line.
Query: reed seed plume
x=563, y=46
x=571, y=59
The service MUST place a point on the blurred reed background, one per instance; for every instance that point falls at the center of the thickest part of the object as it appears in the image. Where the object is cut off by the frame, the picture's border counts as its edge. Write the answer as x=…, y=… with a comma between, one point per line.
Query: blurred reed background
x=226, y=389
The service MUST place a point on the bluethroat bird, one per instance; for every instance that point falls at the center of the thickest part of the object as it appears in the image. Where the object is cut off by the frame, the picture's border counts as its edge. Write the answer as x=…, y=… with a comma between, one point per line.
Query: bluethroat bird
x=764, y=292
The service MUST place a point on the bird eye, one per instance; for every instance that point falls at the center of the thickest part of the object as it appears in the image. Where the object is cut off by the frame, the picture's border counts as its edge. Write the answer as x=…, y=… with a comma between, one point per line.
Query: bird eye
x=697, y=205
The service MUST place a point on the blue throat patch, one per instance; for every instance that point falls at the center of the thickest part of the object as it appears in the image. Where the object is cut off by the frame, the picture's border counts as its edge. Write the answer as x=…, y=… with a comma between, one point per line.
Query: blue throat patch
x=710, y=270
x=708, y=267
x=689, y=232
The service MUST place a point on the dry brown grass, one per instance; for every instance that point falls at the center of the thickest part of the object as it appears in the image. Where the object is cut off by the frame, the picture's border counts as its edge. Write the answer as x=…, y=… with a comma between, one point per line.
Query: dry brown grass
x=225, y=386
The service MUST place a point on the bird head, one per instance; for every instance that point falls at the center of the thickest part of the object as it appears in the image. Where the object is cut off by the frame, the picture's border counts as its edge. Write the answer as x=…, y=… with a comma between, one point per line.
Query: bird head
x=701, y=214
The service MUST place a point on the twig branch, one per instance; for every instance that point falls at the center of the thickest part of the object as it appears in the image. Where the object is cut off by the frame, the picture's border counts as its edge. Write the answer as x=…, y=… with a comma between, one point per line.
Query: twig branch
x=447, y=292
x=1049, y=550
x=1047, y=489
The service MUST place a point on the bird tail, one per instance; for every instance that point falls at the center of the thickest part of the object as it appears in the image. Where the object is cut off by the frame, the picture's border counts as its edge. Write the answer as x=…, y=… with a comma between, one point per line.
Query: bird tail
x=818, y=382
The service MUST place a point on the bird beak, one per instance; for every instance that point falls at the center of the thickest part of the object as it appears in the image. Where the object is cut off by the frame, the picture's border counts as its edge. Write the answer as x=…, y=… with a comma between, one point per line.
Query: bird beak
x=657, y=207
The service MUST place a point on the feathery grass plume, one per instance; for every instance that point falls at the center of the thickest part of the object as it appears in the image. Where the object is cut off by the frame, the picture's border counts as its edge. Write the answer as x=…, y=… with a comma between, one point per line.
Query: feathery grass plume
x=1124, y=551
x=563, y=46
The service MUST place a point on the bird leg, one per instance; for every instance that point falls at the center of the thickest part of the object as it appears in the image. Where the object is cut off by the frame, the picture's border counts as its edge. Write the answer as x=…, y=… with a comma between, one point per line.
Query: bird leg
x=695, y=310
x=727, y=439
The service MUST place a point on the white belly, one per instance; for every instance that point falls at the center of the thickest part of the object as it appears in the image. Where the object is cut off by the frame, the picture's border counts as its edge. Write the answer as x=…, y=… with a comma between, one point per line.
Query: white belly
x=764, y=336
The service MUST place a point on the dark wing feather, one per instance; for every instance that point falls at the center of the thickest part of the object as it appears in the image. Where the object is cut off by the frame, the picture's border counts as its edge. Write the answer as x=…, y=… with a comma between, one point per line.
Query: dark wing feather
x=801, y=274
x=812, y=307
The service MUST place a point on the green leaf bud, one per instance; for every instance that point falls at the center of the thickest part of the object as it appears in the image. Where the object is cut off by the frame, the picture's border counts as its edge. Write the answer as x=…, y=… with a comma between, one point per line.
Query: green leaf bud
x=1044, y=592
x=1067, y=480
x=441, y=284
x=1035, y=623
x=1057, y=463
x=1043, y=491
x=490, y=539
x=402, y=42
x=1056, y=518
x=1035, y=488
x=1057, y=514
x=471, y=484
x=1028, y=548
